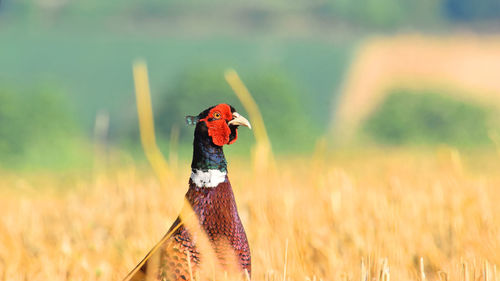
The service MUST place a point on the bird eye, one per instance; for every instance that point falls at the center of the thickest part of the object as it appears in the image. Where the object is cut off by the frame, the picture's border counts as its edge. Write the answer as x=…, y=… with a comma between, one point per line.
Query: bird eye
x=217, y=115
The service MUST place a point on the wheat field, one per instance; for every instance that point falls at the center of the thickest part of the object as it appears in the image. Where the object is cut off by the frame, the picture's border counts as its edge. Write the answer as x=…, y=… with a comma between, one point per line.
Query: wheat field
x=375, y=215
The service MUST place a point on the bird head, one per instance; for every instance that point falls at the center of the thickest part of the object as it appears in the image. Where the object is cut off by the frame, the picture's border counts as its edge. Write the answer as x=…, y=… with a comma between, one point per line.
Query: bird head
x=220, y=123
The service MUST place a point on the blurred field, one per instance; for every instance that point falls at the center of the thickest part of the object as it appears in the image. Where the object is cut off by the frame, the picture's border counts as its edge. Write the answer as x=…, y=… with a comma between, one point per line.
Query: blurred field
x=461, y=65
x=334, y=211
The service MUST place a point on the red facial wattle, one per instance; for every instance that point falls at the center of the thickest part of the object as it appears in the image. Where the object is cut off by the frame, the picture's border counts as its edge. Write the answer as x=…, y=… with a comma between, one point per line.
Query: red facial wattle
x=219, y=132
x=216, y=122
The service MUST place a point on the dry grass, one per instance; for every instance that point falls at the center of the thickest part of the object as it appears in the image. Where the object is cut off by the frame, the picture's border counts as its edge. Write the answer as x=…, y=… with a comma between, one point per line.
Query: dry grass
x=350, y=218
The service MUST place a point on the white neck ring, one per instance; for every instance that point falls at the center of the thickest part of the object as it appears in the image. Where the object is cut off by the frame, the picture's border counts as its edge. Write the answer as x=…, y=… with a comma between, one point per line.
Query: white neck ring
x=210, y=178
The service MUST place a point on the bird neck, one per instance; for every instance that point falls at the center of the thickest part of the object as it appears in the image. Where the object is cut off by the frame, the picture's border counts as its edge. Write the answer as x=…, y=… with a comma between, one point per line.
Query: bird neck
x=207, y=156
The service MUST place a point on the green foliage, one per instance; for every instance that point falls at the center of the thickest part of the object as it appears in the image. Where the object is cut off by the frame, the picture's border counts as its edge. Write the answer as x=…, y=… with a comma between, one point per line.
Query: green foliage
x=381, y=13
x=36, y=129
x=287, y=122
x=95, y=68
x=427, y=118
x=466, y=10
x=259, y=15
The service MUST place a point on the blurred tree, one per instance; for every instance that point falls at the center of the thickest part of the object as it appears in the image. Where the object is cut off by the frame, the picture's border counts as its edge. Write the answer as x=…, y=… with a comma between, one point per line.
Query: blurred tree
x=12, y=133
x=282, y=104
x=379, y=13
x=35, y=124
x=407, y=117
x=257, y=15
x=466, y=10
x=275, y=93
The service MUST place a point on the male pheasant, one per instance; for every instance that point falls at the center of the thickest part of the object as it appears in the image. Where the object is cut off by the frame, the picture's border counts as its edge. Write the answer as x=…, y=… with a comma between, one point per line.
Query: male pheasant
x=180, y=255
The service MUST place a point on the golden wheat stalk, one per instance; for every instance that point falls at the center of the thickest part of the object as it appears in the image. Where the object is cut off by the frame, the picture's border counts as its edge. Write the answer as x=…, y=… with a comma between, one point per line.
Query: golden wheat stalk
x=263, y=157
x=146, y=123
x=150, y=254
x=148, y=139
x=422, y=269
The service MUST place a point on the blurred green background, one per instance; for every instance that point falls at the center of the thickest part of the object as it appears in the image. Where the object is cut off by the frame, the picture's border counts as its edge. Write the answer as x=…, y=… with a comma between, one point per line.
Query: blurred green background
x=65, y=63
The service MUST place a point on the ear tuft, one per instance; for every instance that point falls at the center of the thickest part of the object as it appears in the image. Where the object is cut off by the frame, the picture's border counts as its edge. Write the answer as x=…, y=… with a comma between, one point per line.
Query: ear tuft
x=192, y=120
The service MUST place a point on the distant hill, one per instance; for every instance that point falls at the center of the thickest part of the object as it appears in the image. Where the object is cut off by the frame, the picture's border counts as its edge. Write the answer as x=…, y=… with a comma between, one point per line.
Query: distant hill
x=464, y=66
x=254, y=15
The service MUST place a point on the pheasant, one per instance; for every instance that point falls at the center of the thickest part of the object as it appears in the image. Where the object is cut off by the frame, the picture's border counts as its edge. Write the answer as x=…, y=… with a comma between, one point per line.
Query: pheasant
x=179, y=255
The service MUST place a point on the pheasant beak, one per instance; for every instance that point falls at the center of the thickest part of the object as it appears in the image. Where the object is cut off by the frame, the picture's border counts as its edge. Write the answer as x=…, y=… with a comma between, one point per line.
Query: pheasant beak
x=239, y=120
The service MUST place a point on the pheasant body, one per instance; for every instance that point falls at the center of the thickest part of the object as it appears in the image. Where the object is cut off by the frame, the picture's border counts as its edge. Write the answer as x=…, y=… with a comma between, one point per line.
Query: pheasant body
x=211, y=198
